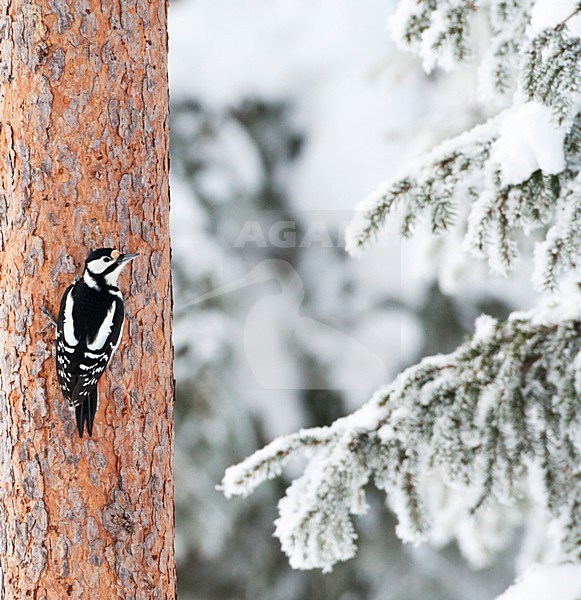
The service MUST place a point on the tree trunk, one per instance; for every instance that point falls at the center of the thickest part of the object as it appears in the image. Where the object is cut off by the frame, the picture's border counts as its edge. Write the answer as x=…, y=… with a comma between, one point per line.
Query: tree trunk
x=84, y=145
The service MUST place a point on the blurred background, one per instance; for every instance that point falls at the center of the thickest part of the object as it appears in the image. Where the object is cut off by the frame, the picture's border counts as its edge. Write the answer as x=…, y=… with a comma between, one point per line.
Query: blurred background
x=284, y=114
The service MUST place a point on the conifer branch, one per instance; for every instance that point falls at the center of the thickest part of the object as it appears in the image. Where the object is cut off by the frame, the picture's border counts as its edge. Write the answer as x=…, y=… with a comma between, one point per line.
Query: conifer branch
x=503, y=402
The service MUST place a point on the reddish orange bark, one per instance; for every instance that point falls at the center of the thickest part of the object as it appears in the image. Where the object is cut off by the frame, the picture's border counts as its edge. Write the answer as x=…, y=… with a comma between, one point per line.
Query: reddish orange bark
x=84, y=143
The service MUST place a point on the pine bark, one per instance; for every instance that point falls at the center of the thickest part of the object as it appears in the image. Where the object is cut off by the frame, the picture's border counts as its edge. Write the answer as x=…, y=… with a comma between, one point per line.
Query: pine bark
x=84, y=151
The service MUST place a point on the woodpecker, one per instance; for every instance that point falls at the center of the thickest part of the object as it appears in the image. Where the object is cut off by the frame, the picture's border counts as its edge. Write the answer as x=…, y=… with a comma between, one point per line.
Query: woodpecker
x=89, y=327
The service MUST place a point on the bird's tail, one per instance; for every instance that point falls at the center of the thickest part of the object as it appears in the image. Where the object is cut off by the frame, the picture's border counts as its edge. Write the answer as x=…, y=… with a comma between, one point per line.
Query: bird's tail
x=86, y=413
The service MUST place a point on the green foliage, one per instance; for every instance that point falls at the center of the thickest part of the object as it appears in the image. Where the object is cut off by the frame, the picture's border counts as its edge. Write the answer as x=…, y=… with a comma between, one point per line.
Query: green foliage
x=552, y=71
x=508, y=22
x=439, y=30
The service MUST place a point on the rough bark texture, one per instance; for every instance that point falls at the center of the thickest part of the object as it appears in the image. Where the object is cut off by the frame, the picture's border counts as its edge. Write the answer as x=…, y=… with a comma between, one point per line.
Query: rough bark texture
x=84, y=151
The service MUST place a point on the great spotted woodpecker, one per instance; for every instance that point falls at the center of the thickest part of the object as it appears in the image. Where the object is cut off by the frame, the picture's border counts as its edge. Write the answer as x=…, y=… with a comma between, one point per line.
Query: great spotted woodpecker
x=89, y=327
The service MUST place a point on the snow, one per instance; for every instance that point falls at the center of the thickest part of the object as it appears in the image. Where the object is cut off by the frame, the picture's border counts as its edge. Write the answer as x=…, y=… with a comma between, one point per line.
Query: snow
x=366, y=110
x=468, y=143
x=438, y=29
x=558, y=308
x=401, y=15
x=367, y=418
x=485, y=328
x=544, y=546
x=550, y=13
x=242, y=479
x=399, y=502
x=386, y=433
x=336, y=474
x=486, y=401
x=332, y=65
x=547, y=582
x=559, y=238
x=305, y=512
x=444, y=56
x=481, y=536
x=528, y=141
x=435, y=386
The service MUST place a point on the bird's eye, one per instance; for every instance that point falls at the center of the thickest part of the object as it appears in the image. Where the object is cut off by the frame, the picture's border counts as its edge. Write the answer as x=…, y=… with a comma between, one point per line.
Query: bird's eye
x=106, y=259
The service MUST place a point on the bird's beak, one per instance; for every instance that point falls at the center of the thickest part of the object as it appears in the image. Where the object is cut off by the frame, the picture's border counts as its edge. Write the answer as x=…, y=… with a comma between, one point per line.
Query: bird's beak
x=123, y=258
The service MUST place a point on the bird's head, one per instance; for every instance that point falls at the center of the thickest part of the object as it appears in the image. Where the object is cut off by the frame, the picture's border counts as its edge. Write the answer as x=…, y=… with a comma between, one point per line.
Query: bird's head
x=103, y=266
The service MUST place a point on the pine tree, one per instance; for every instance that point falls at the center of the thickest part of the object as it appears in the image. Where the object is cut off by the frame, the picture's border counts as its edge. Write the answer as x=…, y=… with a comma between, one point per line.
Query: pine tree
x=489, y=432
x=84, y=139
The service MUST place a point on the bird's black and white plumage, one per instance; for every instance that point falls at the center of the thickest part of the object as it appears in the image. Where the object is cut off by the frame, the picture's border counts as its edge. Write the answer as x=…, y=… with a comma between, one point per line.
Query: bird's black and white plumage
x=89, y=327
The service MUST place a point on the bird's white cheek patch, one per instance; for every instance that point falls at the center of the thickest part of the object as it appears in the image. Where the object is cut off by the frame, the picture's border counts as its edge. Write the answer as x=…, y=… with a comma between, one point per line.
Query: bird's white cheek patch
x=104, y=330
x=90, y=281
x=111, y=278
x=98, y=265
x=68, y=327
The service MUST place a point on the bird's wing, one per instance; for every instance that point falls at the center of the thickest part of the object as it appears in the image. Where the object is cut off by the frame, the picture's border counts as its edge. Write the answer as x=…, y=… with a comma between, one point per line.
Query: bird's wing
x=92, y=356
x=65, y=348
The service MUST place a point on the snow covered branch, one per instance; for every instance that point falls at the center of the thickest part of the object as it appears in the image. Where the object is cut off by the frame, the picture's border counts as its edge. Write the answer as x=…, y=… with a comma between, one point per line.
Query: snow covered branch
x=241, y=480
x=460, y=171
x=500, y=66
x=515, y=174
x=504, y=403
x=561, y=250
x=492, y=429
x=437, y=30
x=552, y=71
x=431, y=187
